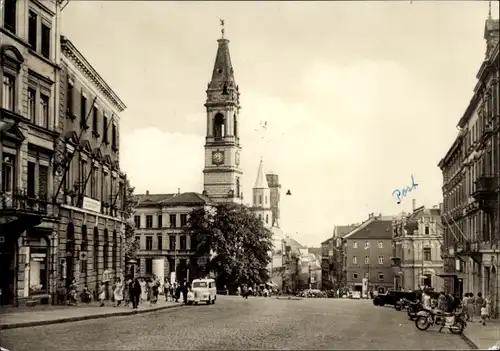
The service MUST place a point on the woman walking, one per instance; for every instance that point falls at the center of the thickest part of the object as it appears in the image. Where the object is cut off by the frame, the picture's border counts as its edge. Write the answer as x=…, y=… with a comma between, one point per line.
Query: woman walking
x=144, y=290
x=135, y=293
x=102, y=294
x=470, y=307
x=118, y=293
x=126, y=292
x=478, y=304
x=464, y=304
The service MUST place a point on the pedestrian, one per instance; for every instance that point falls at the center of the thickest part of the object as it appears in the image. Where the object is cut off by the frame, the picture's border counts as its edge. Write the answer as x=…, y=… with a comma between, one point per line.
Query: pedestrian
x=144, y=290
x=155, y=292
x=465, y=302
x=426, y=299
x=102, y=294
x=487, y=301
x=135, y=293
x=185, y=291
x=126, y=292
x=478, y=304
x=118, y=292
x=166, y=290
x=470, y=307
x=177, y=292
x=484, y=314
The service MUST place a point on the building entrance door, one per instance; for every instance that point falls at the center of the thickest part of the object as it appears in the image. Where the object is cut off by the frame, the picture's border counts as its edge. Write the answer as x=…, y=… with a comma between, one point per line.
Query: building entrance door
x=7, y=277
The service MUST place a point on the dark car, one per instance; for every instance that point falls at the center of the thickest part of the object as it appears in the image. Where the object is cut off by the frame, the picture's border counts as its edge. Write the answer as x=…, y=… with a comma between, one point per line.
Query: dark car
x=391, y=297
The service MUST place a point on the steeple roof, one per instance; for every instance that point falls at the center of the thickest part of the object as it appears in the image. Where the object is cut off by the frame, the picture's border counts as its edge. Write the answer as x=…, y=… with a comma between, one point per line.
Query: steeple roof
x=223, y=69
x=261, y=181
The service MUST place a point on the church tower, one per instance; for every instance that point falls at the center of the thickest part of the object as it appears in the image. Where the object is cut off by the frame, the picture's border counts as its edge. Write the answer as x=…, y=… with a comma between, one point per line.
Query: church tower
x=222, y=173
x=262, y=198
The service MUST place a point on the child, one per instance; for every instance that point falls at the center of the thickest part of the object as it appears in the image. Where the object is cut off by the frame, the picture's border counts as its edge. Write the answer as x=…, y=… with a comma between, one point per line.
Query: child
x=485, y=314
x=102, y=294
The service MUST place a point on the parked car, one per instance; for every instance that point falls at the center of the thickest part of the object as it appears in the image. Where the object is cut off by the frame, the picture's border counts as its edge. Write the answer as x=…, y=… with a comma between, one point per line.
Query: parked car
x=392, y=297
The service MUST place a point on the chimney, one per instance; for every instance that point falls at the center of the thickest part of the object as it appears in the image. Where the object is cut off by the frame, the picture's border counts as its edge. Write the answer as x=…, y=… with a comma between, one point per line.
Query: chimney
x=178, y=191
x=414, y=204
x=147, y=192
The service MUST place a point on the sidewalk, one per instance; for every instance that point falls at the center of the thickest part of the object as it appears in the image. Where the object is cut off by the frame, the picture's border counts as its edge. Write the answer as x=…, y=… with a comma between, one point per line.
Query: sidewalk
x=482, y=336
x=25, y=317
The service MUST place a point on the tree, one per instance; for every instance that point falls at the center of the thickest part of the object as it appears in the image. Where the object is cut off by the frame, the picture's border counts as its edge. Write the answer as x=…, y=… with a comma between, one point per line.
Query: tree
x=129, y=202
x=231, y=242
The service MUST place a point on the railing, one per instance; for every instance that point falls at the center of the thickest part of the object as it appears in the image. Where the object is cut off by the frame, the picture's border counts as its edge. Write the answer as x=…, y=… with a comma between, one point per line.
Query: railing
x=21, y=200
x=485, y=183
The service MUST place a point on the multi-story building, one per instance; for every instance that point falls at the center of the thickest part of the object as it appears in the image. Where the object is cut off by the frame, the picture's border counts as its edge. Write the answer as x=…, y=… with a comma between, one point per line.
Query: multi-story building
x=89, y=185
x=471, y=173
x=164, y=247
x=417, y=241
x=327, y=258
x=29, y=100
x=367, y=254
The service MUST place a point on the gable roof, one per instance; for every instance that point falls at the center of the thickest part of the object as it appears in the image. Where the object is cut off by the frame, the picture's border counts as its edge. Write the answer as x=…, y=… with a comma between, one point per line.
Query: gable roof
x=373, y=228
x=185, y=199
x=339, y=231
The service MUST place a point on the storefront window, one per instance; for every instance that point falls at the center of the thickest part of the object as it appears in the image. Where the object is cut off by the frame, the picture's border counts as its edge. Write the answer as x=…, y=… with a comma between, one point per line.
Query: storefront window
x=38, y=264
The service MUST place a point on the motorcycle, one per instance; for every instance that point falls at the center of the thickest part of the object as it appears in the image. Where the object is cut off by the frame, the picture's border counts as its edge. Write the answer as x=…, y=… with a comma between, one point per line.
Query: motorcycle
x=402, y=304
x=413, y=309
x=455, y=322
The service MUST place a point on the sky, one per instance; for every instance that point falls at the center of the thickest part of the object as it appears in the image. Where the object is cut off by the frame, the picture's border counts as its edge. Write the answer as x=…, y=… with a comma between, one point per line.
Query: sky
x=357, y=96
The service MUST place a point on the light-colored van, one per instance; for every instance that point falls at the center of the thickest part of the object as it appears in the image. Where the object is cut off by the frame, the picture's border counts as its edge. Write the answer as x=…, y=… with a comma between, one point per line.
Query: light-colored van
x=202, y=290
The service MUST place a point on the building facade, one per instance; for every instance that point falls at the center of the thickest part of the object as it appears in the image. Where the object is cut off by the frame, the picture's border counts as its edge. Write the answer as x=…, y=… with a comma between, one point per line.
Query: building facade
x=471, y=216
x=89, y=185
x=222, y=172
x=367, y=254
x=327, y=261
x=165, y=248
x=29, y=99
x=417, y=243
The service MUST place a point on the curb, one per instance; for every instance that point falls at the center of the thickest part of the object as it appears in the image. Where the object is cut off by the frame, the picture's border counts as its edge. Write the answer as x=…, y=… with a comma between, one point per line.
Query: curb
x=83, y=318
x=469, y=342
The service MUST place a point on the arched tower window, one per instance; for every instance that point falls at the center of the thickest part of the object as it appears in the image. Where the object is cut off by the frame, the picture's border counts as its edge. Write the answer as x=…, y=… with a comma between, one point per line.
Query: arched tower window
x=219, y=125
x=105, y=249
x=235, y=124
x=96, y=251
x=267, y=218
x=115, y=250
x=260, y=199
x=266, y=199
x=224, y=90
x=238, y=187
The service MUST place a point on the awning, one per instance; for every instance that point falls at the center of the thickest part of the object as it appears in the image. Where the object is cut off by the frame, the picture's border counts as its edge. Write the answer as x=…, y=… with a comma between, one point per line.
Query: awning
x=451, y=275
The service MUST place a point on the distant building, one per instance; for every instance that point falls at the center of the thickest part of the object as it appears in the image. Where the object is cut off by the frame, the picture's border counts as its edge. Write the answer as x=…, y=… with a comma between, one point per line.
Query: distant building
x=417, y=241
x=368, y=252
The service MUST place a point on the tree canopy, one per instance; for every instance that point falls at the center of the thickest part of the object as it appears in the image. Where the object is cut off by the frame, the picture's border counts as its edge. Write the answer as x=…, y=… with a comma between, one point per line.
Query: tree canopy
x=231, y=242
x=129, y=202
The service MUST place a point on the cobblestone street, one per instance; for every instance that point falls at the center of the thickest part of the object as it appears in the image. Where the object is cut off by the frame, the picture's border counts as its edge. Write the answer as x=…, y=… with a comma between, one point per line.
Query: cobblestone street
x=235, y=323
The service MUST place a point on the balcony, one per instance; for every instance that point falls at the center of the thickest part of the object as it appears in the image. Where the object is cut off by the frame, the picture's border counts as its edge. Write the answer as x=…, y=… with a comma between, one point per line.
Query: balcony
x=485, y=192
x=469, y=249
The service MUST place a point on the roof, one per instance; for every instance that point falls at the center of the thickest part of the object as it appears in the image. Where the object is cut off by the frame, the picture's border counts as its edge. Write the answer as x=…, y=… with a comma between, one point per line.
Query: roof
x=373, y=228
x=69, y=50
x=339, y=231
x=294, y=244
x=184, y=199
x=327, y=241
x=261, y=181
x=223, y=69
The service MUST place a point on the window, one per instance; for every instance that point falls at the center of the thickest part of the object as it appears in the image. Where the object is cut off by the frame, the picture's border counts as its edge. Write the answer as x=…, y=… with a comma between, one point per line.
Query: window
x=44, y=111
x=114, y=251
x=367, y=245
x=105, y=249
x=183, y=242
x=160, y=242
x=173, y=221
x=160, y=221
x=31, y=179
x=149, y=221
x=381, y=276
x=84, y=249
x=8, y=87
x=149, y=266
x=95, y=130
x=149, y=243
x=381, y=260
x=9, y=15
x=265, y=199
x=38, y=267
x=31, y=104
x=32, y=29
x=426, y=230
x=367, y=259
x=105, y=129
x=70, y=103
x=267, y=217
x=427, y=254
x=93, y=182
x=355, y=276
x=171, y=242
x=96, y=249
x=171, y=264
x=380, y=244
x=43, y=182
x=354, y=244
x=83, y=110
x=183, y=220
x=260, y=199
x=138, y=239
x=355, y=260
x=8, y=167
x=45, y=41
x=137, y=221
x=114, y=140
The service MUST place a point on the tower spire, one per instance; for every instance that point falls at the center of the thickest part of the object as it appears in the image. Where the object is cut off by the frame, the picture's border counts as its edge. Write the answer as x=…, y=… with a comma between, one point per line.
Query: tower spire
x=489, y=11
x=222, y=26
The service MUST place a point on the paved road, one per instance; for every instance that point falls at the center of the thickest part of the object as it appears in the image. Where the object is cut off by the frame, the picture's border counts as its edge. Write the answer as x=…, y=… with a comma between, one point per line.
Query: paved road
x=235, y=323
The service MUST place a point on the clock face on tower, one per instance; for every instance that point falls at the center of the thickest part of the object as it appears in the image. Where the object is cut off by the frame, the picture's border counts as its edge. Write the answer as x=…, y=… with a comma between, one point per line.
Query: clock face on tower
x=237, y=158
x=218, y=157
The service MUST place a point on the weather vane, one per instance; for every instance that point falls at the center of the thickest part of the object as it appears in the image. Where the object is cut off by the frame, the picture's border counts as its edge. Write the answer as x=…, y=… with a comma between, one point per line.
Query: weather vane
x=489, y=9
x=222, y=27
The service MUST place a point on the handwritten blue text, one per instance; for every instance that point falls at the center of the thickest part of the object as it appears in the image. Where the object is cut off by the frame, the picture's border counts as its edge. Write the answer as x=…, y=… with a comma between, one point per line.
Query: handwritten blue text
x=400, y=194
